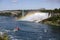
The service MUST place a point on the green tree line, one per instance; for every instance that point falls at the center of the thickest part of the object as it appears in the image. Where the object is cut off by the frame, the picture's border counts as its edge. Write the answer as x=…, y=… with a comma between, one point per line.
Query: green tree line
x=51, y=11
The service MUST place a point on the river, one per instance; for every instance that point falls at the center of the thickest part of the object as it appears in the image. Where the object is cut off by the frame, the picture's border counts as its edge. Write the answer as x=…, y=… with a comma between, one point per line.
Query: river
x=28, y=30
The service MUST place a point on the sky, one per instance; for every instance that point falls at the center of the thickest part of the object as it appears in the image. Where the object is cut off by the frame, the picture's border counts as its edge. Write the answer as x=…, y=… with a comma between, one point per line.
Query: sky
x=28, y=4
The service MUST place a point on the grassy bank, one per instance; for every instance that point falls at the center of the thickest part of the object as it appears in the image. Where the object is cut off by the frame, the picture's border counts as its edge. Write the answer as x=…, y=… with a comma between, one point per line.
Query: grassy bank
x=54, y=20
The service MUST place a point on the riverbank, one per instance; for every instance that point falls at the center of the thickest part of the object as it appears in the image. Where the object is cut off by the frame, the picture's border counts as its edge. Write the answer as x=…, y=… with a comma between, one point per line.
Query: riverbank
x=51, y=23
x=55, y=20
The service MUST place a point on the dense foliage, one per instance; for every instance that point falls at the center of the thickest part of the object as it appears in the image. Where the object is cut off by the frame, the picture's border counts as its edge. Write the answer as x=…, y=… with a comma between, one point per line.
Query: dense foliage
x=51, y=11
x=5, y=14
x=54, y=20
x=4, y=37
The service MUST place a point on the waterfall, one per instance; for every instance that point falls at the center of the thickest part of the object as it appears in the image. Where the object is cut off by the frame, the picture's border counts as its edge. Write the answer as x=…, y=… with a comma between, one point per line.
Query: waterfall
x=35, y=17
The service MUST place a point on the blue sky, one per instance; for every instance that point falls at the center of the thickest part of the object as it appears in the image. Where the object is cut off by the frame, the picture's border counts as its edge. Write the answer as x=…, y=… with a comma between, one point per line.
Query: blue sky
x=28, y=4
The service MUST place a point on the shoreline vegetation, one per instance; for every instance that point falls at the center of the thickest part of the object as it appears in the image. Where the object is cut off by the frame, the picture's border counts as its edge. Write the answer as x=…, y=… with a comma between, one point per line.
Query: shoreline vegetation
x=4, y=36
x=55, y=21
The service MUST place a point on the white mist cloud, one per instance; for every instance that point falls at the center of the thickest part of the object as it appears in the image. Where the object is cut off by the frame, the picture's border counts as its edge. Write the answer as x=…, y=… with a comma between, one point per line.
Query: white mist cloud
x=35, y=17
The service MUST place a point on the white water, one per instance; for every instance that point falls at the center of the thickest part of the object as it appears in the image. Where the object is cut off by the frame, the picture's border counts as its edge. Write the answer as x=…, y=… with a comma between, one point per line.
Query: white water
x=35, y=17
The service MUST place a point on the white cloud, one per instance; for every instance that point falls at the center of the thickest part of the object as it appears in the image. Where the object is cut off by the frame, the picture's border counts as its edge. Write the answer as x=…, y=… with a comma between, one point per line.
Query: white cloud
x=54, y=0
x=14, y=1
